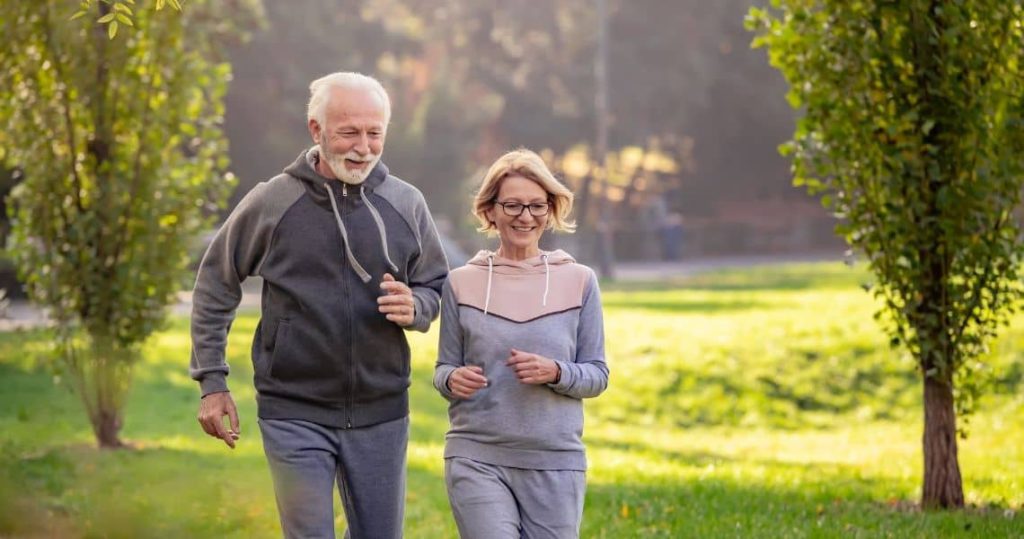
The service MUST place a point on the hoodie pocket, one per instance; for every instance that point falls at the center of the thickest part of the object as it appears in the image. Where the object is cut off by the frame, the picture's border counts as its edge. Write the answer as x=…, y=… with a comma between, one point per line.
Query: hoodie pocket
x=297, y=364
x=278, y=345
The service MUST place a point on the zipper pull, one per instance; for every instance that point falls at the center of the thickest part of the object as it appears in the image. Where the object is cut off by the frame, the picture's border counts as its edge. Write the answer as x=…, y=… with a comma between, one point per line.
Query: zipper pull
x=344, y=189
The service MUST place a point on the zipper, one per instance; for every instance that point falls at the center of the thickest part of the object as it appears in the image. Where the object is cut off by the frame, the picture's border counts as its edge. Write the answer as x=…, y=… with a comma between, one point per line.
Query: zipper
x=349, y=399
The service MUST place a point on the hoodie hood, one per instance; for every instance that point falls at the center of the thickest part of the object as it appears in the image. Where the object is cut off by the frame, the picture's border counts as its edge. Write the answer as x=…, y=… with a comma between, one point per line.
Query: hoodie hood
x=304, y=168
x=507, y=288
x=530, y=265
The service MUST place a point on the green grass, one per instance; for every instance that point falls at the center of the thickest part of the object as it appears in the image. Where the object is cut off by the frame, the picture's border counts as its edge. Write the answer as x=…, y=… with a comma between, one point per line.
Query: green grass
x=760, y=402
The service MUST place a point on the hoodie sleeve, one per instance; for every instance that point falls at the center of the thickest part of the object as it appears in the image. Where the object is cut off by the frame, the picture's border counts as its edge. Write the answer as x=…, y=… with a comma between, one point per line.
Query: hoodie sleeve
x=449, y=348
x=428, y=271
x=587, y=375
x=236, y=252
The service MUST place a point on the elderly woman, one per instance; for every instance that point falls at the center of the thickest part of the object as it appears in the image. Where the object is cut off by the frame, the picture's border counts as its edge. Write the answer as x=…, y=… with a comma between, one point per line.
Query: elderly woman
x=521, y=345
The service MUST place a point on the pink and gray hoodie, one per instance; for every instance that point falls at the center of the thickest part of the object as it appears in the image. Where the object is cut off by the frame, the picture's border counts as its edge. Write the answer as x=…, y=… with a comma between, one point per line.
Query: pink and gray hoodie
x=547, y=305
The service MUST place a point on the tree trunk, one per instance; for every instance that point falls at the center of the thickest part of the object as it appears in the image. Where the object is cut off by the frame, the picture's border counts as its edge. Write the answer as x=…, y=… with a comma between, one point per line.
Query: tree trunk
x=942, y=484
x=101, y=374
x=106, y=426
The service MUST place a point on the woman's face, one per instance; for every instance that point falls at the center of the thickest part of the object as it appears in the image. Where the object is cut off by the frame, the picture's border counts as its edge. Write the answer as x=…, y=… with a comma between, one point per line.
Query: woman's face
x=520, y=234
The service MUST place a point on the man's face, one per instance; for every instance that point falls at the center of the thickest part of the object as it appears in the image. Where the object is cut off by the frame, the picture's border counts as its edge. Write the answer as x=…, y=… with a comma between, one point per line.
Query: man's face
x=352, y=137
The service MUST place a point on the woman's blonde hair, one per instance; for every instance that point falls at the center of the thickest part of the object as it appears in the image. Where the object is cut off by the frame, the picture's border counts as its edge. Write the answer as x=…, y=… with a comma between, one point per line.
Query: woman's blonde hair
x=525, y=163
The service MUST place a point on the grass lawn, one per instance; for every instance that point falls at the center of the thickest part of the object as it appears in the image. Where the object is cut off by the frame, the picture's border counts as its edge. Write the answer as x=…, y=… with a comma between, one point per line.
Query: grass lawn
x=761, y=402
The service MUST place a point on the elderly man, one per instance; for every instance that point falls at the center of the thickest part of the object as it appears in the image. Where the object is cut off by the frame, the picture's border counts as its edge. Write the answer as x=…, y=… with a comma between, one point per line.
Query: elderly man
x=349, y=258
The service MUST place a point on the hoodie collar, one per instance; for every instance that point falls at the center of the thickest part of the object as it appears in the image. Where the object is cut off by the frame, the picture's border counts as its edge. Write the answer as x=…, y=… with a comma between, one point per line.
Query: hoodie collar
x=539, y=264
x=322, y=190
x=530, y=265
x=304, y=168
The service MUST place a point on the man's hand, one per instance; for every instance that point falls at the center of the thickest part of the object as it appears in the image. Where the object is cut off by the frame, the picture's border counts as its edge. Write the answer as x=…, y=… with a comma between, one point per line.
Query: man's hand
x=533, y=369
x=464, y=382
x=397, y=302
x=212, y=409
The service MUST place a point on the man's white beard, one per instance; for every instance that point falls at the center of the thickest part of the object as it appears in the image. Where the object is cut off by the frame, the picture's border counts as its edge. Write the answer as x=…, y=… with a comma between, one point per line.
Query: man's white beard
x=337, y=164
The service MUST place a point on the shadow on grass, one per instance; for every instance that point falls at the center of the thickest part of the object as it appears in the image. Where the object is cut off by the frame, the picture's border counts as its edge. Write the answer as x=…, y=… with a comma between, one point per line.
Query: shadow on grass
x=147, y=492
x=79, y=491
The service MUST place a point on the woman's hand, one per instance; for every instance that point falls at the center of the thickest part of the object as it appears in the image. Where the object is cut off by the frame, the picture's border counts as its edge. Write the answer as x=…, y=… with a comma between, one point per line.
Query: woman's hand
x=533, y=369
x=464, y=382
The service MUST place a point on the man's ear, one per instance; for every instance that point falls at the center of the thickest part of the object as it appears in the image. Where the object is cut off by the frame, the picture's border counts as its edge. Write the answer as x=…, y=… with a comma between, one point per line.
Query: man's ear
x=314, y=130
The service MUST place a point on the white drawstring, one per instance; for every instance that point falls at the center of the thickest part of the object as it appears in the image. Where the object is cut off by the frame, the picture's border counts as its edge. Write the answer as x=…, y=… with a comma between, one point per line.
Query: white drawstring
x=356, y=266
x=380, y=226
x=490, y=271
x=547, y=279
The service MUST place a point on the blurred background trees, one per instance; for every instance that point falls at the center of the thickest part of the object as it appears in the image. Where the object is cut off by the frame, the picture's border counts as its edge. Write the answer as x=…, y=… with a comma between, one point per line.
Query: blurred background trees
x=695, y=115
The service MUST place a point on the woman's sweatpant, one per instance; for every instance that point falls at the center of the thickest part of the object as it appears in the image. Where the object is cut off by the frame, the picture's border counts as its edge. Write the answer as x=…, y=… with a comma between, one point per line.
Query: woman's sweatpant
x=492, y=502
x=368, y=465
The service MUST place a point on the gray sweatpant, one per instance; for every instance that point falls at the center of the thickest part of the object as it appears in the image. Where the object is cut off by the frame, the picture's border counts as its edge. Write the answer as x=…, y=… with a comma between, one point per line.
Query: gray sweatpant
x=368, y=464
x=498, y=502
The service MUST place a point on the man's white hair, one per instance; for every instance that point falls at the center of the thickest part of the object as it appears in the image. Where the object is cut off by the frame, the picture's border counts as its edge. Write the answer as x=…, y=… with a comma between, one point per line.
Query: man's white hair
x=320, y=90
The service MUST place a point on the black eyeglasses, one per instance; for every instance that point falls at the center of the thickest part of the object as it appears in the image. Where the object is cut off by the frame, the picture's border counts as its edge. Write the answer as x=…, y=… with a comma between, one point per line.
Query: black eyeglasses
x=515, y=209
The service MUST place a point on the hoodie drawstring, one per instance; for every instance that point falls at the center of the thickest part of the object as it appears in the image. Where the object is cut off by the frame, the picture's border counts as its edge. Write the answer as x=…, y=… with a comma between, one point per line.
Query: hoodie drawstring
x=380, y=226
x=490, y=272
x=547, y=279
x=365, y=277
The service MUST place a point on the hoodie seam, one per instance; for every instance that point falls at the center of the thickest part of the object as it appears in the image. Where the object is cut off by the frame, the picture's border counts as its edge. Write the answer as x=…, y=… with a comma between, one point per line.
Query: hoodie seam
x=491, y=313
x=415, y=233
x=418, y=204
x=277, y=226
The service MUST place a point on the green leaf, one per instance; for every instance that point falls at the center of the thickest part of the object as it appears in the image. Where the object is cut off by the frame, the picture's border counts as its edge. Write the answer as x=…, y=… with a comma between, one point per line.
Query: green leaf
x=78, y=15
x=112, y=29
x=106, y=18
x=125, y=20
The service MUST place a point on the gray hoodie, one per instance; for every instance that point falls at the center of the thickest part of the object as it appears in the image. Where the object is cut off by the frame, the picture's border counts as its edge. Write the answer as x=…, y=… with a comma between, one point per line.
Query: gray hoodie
x=322, y=351
x=547, y=305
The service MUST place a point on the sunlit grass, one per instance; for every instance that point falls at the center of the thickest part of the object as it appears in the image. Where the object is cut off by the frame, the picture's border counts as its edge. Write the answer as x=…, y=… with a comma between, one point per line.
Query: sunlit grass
x=762, y=402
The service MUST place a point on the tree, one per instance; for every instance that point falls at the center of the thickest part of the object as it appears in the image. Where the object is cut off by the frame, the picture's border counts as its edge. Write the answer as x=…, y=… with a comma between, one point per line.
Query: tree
x=118, y=137
x=912, y=135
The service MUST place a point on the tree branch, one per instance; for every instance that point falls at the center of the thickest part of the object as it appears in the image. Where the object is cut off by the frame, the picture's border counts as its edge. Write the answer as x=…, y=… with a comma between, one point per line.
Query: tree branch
x=136, y=181
x=69, y=124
